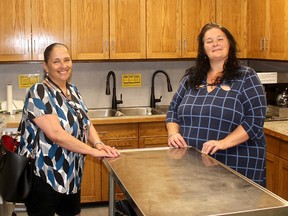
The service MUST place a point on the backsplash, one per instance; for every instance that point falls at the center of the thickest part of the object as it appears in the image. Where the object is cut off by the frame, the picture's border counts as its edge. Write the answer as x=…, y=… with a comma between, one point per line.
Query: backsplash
x=90, y=78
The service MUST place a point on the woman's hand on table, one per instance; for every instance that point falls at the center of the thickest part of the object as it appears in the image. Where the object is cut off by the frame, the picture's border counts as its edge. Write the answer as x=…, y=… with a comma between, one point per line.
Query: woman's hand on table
x=211, y=147
x=176, y=140
x=107, y=150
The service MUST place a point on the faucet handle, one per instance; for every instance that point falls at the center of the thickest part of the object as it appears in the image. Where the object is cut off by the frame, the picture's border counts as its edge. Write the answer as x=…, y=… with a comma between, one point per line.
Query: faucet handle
x=158, y=100
x=120, y=101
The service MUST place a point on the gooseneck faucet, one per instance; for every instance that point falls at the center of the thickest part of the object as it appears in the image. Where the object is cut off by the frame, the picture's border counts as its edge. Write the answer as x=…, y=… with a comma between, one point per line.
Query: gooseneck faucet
x=114, y=98
x=153, y=101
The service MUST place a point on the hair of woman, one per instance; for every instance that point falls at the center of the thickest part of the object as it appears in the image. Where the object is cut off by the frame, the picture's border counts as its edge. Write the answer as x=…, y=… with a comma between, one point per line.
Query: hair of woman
x=230, y=68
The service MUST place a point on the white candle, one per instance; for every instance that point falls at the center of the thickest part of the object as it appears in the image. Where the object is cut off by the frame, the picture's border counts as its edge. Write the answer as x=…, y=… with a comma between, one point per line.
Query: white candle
x=9, y=99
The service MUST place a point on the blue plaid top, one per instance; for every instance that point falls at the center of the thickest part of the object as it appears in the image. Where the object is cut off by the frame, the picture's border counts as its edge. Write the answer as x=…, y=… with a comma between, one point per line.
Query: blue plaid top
x=204, y=116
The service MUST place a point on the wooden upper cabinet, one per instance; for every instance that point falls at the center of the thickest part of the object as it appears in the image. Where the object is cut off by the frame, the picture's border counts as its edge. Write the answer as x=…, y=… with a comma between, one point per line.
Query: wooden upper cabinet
x=163, y=28
x=50, y=24
x=277, y=31
x=114, y=29
x=232, y=15
x=195, y=14
x=15, y=34
x=267, y=29
x=127, y=29
x=90, y=29
x=256, y=23
x=29, y=26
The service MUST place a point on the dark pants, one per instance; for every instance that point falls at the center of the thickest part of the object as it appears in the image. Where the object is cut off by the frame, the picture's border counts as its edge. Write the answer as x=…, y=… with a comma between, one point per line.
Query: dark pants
x=45, y=201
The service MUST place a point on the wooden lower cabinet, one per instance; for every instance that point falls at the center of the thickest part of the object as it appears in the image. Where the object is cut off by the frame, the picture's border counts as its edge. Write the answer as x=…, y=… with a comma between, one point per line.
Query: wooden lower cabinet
x=277, y=166
x=95, y=179
x=283, y=178
x=152, y=134
x=272, y=164
x=91, y=184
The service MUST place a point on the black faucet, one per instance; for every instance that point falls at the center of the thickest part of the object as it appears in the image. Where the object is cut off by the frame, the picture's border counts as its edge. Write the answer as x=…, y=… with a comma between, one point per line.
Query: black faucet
x=153, y=101
x=114, y=99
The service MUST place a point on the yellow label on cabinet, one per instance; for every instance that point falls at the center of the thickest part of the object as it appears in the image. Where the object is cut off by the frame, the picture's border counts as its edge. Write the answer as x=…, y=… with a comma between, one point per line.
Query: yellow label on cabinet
x=27, y=80
x=131, y=80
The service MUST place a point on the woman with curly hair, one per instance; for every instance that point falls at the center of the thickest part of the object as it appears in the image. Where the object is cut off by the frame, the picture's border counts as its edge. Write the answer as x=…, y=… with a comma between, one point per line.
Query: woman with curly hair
x=220, y=107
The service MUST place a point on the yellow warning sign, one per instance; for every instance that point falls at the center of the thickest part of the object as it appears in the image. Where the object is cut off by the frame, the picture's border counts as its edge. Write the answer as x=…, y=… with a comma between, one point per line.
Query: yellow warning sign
x=131, y=80
x=27, y=80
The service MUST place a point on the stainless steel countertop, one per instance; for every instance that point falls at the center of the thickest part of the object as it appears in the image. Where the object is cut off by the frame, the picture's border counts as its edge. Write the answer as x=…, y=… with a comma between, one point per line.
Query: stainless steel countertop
x=166, y=181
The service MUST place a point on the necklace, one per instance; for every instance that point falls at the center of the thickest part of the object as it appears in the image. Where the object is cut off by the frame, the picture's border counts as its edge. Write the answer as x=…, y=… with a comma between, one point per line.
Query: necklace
x=83, y=127
x=57, y=88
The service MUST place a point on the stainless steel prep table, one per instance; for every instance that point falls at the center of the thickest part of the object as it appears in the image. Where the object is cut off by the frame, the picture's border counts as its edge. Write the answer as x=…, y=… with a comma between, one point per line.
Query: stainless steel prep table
x=167, y=181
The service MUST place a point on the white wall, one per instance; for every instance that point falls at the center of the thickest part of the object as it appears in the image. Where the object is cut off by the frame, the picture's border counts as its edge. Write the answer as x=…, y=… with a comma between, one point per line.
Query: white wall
x=90, y=78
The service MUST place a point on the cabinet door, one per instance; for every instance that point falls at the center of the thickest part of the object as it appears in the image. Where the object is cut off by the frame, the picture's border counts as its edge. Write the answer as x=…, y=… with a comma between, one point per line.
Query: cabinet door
x=256, y=30
x=127, y=29
x=283, y=179
x=164, y=29
x=152, y=134
x=195, y=14
x=272, y=167
x=277, y=30
x=90, y=29
x=91, y=182
x=232, y=15
x=122, y=136
x=15, y=34
x=50, y=24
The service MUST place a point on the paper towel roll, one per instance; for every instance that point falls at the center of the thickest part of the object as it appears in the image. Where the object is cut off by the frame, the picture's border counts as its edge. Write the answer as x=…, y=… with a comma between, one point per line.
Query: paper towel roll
x=9, y=99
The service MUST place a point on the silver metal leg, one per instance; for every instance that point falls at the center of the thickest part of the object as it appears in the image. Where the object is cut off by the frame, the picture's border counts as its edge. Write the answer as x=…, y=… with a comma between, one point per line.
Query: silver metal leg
x=111, y=195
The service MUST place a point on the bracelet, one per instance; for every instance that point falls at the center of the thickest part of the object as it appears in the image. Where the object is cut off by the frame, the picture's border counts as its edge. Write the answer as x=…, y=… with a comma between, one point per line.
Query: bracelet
x=172, y=134
x=98, y=142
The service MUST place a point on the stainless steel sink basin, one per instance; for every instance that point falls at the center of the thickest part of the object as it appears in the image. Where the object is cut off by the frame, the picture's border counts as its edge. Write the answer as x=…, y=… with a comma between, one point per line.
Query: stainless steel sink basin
x=139, y=111
x=163, y=108
x=124, y=111
x=101, y=113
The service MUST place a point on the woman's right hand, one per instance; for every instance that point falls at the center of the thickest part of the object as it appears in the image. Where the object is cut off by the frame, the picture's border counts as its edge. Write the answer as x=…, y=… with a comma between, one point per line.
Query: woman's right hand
x=177, y=141
x=106, y=151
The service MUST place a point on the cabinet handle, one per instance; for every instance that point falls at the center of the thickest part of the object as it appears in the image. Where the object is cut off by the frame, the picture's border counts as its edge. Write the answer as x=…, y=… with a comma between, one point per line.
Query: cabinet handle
x=184, y=44
x=28, y=45
x=34, y=46
x=265, y=43
x=112, y=45
x=106, y=44
x=260, y=43
x=102, y=132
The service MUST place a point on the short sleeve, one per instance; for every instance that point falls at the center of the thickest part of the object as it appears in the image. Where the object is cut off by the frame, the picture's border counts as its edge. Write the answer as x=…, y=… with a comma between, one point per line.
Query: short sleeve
x=39, y=102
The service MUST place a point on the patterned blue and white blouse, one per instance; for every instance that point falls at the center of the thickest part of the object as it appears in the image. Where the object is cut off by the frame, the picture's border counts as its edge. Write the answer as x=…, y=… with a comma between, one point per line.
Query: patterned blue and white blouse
x=204, y=116
x=60, y=168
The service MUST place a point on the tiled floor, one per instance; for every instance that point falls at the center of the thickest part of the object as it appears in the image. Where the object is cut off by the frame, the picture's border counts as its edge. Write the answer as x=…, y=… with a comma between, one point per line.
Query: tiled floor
x=87, y=210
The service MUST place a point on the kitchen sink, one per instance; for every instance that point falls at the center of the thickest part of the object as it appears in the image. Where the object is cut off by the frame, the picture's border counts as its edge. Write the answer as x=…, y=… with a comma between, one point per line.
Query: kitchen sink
x=101, y=113
x=124, y=111
x=162, y=108
x=139, y=111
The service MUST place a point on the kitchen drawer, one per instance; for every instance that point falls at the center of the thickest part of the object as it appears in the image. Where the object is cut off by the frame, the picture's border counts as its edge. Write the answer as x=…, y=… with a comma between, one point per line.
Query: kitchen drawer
x=126, y=143
x=149, y=142
x=152, y=129
x=117, y=131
